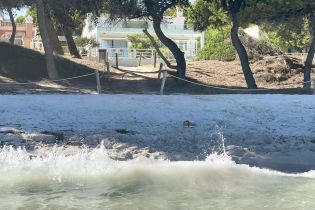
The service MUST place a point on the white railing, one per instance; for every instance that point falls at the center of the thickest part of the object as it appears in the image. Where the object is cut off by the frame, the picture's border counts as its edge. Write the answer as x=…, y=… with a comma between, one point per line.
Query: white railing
x=130, y=53
x=135, y=54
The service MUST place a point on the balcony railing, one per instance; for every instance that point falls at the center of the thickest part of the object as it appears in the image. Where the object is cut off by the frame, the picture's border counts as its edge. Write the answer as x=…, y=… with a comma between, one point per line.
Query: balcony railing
x=135, y=24
x=139, y=25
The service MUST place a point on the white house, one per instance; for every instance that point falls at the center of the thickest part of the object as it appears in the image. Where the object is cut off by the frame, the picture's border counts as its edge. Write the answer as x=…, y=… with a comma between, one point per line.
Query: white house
x=113, y=36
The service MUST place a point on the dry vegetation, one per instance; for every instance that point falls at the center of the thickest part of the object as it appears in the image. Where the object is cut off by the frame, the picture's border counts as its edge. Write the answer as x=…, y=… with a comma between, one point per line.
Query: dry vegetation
x=271, y=72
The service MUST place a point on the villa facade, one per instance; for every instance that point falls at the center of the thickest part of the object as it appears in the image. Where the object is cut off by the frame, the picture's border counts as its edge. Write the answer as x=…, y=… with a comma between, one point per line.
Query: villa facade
x=114, y=36
x=25, y=32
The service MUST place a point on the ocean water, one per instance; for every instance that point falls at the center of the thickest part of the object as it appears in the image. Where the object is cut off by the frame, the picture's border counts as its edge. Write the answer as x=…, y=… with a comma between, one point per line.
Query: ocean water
x=91, y=180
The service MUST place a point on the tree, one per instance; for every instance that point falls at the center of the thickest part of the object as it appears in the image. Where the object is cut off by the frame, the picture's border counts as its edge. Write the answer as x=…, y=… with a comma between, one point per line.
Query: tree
x=20, y=19
x=218, y=45
x=49, y=56
x=140, y=41
x=52, y=28
x=60, y=11
x=285, y=13
x=70, y=17
x=153, y=10
x=9, y=5
x=12, y=38
x=292, y=35
x=234, y=7
x=216, y=13
x=52, y=33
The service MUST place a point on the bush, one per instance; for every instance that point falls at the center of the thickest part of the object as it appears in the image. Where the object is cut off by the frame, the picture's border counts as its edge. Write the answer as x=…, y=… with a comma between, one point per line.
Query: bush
x=218, y=45
x=141, y=41
x=83, y=42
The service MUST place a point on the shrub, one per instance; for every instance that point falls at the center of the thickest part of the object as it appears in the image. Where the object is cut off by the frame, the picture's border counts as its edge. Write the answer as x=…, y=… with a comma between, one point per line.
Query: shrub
x=141, y=41
x=218, y=45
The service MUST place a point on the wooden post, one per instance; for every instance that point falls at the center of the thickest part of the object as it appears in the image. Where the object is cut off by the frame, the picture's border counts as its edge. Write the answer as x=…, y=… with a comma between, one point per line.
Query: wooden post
x=313, y=84
x=108, y=71
x=140, y=59
x=160, y=70
x=135, y=54
x=98, y=82
x=155, y=58
x=117, y=64
x=163, y=82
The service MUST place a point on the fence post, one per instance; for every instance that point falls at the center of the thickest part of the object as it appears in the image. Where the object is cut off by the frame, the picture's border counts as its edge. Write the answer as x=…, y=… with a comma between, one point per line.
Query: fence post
x=154, y=64
x=140, y=59
x=117, y=64
x=160, y=70
x=98, y=82
x=108, y=71
x=163, y=82
x=135, y=53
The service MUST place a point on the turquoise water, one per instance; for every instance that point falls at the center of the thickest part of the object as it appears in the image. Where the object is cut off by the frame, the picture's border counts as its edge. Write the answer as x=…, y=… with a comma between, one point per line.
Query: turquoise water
x=91, y=180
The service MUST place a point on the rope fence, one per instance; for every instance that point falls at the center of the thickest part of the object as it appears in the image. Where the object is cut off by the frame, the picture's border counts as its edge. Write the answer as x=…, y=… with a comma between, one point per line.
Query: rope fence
x=236, y=89
x=58, y=80
x=165, y=73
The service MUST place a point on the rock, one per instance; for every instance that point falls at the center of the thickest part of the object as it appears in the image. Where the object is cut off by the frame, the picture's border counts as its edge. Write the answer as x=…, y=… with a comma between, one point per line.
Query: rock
x=58, y=136
x=93, y=141
x=189, y=124
x=75, y=141
x=46, y=139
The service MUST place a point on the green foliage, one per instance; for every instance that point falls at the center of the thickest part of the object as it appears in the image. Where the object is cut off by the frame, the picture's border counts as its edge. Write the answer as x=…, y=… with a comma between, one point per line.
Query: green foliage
x=292, y=35
x=20, y=19
x=171, y=12
x=286, y=22
x=218, y=45
x=82, y=42
x=32, y=11
x=141, y=41
x=203, y=14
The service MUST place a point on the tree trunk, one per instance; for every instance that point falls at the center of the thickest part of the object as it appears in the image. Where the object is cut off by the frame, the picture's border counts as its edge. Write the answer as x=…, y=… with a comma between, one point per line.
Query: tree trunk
x=57, y=48
x=241, y=51
x=157, y=48
x=172, y=46
x=71, y=44
x=12, y=38
x=310, y=57
x=49, y=56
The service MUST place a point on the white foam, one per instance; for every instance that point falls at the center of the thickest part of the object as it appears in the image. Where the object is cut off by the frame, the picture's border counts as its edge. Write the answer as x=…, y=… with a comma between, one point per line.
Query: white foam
x=19, y=163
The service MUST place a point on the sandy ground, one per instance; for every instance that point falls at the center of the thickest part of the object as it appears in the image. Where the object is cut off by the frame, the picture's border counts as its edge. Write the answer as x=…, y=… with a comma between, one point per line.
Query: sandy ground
x=273, y=73
x=270, y=131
